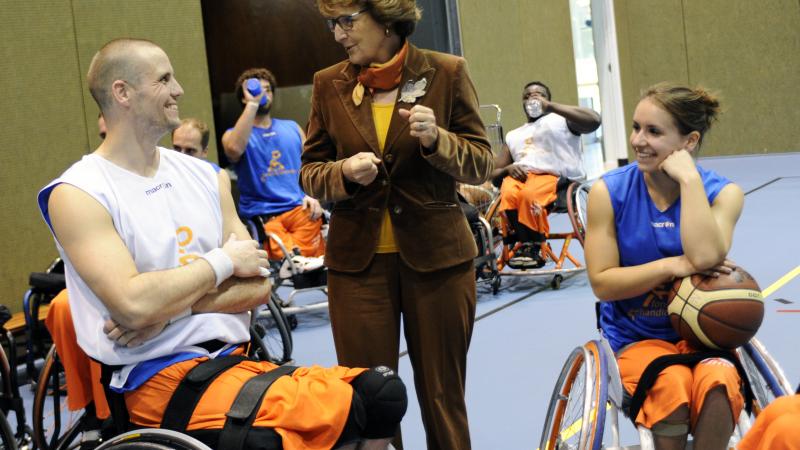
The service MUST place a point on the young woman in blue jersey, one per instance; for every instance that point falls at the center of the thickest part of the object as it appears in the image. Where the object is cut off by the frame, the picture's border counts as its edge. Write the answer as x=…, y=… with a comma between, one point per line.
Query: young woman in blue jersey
x=657, y=219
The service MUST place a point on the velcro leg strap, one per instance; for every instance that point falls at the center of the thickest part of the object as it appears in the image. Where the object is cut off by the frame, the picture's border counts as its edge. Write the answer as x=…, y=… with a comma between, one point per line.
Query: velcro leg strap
x=185, y=398
x=116, y=401
x=651, y=372
x=245, y=407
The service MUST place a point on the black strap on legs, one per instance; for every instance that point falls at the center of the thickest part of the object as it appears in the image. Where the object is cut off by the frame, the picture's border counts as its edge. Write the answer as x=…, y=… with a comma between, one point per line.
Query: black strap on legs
x=194, y=384
x=116, y=401
x=560, y=204
x=245, y=408
x=651, y=372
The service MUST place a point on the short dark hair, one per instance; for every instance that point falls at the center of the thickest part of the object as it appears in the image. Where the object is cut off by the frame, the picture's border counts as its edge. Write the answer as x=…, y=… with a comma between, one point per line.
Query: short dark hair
x=539, y=83
x=255, y=72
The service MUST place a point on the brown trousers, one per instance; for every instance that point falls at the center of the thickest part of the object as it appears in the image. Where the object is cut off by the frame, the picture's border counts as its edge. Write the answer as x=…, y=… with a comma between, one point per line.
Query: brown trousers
x=438, y=310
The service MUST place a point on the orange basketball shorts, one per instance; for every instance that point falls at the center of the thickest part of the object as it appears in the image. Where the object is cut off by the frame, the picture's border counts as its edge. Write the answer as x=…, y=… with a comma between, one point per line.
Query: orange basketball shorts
x=308, y=408
x=296, y=229
x=82, y=373
x=530, y=199
x=677, y=385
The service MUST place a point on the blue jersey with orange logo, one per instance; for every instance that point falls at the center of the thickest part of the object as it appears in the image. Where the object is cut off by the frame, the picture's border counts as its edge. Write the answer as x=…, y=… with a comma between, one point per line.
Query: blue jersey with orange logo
x=644, y=234
x=269, y=170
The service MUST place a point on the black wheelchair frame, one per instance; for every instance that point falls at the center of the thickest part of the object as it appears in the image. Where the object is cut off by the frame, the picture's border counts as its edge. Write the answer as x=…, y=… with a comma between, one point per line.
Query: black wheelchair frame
x=10, y=398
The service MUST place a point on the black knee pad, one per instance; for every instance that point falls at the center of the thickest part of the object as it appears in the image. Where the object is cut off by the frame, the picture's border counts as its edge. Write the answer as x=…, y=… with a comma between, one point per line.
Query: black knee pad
x=356, y=421
x=383, y=395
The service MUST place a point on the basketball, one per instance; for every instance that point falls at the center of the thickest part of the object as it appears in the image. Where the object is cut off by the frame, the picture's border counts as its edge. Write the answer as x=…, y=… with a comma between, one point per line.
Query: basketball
x=719, y=313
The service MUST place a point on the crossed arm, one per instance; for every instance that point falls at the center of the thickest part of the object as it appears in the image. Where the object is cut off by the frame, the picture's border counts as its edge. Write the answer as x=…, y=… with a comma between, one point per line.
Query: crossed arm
x=145, y=302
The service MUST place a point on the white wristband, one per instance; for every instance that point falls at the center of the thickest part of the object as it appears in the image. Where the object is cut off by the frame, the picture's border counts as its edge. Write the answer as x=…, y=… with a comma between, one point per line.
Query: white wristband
x=221, y=263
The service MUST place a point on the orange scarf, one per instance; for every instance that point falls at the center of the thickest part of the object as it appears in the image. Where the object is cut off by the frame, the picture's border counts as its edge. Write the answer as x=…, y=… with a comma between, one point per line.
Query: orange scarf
x=384, y=76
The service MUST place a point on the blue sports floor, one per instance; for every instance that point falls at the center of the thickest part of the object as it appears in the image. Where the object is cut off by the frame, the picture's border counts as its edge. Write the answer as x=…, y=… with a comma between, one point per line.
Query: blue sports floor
x=525, y=332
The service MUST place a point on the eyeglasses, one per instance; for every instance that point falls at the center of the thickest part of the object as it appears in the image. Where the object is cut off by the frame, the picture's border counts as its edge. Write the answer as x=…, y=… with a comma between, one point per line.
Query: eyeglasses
x=345, y=22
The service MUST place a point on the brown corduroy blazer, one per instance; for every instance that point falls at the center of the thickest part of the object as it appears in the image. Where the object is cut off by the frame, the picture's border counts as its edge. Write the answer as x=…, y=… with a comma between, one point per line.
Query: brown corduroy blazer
x=417, y=185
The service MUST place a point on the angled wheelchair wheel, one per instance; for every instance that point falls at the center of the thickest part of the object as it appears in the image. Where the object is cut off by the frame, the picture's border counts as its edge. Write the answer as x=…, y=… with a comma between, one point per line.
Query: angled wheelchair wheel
x=153, y=439
x=7, y=440
x=271, y=334
x=54, y=425
x=577, y=198
x=765, y=375
x=576, y=414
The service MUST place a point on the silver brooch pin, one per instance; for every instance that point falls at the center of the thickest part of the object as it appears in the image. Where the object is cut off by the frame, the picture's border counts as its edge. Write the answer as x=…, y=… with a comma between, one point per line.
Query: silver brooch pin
x=412, y=91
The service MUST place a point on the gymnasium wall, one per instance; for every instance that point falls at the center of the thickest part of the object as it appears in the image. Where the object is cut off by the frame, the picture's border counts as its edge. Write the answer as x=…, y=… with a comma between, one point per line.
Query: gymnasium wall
x=747, y=51
x=511, y=42
x=49, y=119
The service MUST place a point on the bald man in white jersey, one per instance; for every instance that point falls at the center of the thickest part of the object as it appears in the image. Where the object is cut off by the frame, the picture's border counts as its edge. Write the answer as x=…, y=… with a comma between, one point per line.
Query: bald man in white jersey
x=162, y=275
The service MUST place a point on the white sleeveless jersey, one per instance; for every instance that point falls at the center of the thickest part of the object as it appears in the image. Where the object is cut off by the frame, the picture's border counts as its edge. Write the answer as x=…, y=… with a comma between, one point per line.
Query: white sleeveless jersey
x=165, y=221
x=547, y=146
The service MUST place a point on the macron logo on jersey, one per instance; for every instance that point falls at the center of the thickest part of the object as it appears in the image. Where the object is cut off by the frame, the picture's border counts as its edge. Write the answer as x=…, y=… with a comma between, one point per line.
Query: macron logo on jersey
x=665, y=224
x=158, y=187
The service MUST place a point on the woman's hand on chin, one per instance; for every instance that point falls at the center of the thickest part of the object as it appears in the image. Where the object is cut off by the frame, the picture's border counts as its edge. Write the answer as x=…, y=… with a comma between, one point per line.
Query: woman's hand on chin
x=680, y=166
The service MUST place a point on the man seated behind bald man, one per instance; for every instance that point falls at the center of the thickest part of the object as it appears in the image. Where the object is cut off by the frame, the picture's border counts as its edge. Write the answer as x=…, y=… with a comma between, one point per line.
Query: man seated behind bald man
x=161, y=275
x=191, y=138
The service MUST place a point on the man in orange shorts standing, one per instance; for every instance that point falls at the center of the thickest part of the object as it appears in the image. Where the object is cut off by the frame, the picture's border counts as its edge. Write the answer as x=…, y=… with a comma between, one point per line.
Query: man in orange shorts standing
x=534, y=156
x=162, y=275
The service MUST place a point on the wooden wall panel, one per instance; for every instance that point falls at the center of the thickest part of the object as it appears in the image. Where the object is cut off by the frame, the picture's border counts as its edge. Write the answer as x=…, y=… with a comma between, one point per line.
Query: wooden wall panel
x=49, y=119
x=44, y=131
x=514, y=42
x=288, y=37
x=748, y=52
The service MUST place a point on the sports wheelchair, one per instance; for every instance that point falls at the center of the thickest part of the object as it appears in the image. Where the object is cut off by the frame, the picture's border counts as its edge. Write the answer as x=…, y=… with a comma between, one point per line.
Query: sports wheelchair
x=56, y=427
x=10, y=399
x=288, y=273
x=474, y=201
x=496, y=238
x=43, y=286
x=589, y=391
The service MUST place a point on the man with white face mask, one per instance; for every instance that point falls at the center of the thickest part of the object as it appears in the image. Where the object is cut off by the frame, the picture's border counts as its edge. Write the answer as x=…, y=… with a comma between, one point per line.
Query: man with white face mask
x=533, y=158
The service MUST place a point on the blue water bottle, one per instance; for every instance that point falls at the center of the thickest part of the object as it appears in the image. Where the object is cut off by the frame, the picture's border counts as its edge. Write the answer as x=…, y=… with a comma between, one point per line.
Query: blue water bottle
x=254, y=88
